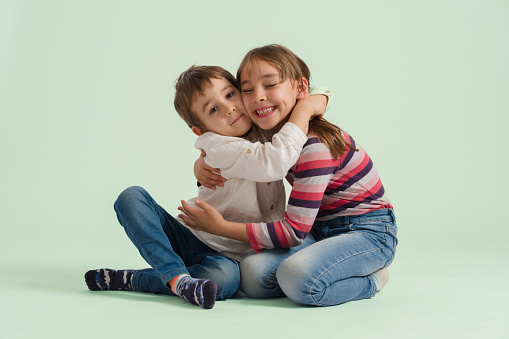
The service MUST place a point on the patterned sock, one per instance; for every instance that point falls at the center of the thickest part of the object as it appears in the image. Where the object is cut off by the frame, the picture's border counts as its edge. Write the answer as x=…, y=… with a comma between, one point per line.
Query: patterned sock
x=108, y=279
x=201, y=292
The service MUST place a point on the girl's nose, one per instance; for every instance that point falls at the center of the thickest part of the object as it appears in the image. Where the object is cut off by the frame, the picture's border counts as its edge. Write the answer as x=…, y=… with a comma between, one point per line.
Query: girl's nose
x=259, y=96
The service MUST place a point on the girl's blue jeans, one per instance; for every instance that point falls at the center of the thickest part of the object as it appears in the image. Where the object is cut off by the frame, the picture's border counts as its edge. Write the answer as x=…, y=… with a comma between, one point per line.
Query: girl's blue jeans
x=332, y=265
x=170, y=248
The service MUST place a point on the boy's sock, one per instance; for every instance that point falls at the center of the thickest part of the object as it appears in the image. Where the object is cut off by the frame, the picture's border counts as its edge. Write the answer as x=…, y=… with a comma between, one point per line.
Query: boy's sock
x=381, y=277
x=201, y=292
x=108, y=279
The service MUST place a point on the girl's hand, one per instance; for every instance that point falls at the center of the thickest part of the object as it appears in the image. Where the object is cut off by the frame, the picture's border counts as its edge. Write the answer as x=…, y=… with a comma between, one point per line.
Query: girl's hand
x=205, y=174
x=206, y=218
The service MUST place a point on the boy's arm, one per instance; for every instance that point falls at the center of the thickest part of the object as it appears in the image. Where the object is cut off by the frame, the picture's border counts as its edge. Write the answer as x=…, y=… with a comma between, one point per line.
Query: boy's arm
x=242, y=159
x=307, y=108
x=313, y=105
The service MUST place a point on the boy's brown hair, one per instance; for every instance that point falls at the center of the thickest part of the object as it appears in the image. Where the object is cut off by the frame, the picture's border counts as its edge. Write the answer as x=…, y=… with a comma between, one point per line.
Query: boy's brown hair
x=190, y=84
x=291, y=67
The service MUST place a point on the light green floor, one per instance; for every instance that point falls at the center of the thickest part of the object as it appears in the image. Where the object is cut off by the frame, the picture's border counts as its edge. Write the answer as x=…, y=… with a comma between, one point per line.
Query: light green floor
x=449, y=294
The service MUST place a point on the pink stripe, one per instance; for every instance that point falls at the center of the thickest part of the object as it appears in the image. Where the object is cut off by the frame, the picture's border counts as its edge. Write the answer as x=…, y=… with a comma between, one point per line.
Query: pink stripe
x=282, y=234
x=255, y=238
x=314, y=156
x=302, y=223
x=309, y=188
x=361, y=158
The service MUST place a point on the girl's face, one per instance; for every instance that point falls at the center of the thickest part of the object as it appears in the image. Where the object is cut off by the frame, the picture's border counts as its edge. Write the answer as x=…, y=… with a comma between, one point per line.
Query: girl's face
x=268, y=101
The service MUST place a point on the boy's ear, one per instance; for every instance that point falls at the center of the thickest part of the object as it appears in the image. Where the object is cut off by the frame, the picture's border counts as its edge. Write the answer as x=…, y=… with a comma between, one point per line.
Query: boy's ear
x=302, y=88
x=197, y=131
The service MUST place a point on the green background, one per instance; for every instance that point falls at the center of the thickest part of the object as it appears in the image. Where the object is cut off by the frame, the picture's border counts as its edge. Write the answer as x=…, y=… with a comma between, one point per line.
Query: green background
x=86, y=91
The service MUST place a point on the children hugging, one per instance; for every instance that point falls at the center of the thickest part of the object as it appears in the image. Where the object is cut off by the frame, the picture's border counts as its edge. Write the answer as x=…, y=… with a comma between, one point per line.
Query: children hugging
x=330, y=243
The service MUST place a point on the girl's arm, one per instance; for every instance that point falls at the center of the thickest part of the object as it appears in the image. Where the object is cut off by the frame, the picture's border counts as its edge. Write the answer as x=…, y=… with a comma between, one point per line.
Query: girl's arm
x=312, y=172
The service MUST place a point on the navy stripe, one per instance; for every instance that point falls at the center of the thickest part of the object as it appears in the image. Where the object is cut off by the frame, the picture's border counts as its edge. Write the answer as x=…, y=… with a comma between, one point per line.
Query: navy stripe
x=299, y=234
x=315, y=172
x=380, y=193
x=350, y=154
x=304, y=203
x=354, y=179
x=353, y=204
x=311, y=141
x=338, y=209
x=273, y=235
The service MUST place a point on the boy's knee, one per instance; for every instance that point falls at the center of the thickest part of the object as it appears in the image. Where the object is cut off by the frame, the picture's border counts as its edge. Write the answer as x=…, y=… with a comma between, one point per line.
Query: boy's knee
x=128, y=196
x=227, y=277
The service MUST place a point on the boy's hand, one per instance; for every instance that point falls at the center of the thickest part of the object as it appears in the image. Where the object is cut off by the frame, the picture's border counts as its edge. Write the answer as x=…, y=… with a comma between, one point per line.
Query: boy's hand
x=205, y=174
x=313, y=105
x=307, y=108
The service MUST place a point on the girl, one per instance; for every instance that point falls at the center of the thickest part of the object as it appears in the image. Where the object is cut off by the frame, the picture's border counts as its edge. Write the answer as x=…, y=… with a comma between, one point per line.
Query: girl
x=337, y=196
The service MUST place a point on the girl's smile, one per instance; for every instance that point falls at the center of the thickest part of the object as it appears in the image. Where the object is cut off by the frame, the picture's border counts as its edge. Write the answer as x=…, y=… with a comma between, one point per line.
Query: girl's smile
x=265, y=112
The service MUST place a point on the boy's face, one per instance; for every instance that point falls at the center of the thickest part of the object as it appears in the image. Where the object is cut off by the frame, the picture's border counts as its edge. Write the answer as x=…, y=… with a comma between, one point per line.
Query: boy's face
x=268, y=100
x=221, y=110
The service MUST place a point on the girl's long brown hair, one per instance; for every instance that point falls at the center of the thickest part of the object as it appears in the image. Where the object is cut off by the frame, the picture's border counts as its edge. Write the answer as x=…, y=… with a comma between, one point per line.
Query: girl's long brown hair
x=289, y=65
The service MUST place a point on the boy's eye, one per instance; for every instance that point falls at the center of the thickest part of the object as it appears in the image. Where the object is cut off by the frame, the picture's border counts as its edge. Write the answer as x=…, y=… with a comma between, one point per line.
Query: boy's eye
x=229, y=95
x=213, y=110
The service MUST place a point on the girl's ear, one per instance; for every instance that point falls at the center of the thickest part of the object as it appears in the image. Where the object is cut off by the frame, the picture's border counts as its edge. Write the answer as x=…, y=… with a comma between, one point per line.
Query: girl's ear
x=302, y=88
x=197, y=131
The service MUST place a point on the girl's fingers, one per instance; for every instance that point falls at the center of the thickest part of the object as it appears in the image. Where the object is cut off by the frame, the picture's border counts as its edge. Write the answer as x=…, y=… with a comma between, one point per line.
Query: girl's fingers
x=204, y=206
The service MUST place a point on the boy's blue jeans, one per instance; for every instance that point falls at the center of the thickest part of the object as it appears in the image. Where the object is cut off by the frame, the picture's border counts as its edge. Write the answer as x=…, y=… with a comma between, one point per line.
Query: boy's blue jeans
x=170, y=248
x=332, y=265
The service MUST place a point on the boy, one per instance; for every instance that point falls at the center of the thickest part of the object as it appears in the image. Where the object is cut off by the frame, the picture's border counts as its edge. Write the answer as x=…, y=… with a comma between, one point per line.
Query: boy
x=201, y=267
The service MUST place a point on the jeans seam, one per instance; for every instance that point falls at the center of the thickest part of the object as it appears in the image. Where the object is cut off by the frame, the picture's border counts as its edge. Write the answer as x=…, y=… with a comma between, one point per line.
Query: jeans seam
x=271, y=279
x=325, y=271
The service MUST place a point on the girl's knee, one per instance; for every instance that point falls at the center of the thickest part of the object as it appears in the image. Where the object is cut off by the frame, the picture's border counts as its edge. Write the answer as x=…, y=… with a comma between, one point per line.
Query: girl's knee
x=295, y=279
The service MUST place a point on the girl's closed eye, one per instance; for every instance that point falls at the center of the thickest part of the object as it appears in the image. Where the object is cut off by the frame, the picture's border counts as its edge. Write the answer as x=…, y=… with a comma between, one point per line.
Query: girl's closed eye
x=247, y=90
x=272, y=85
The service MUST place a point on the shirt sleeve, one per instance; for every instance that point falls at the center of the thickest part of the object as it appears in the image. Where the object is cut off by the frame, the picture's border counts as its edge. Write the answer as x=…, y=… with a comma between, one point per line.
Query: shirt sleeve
x=322, y=90
x=260, y=162
x=311, y=175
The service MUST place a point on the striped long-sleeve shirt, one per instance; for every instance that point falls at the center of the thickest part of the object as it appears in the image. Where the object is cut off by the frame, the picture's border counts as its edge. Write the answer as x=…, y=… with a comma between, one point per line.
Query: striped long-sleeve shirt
x=322, y=188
